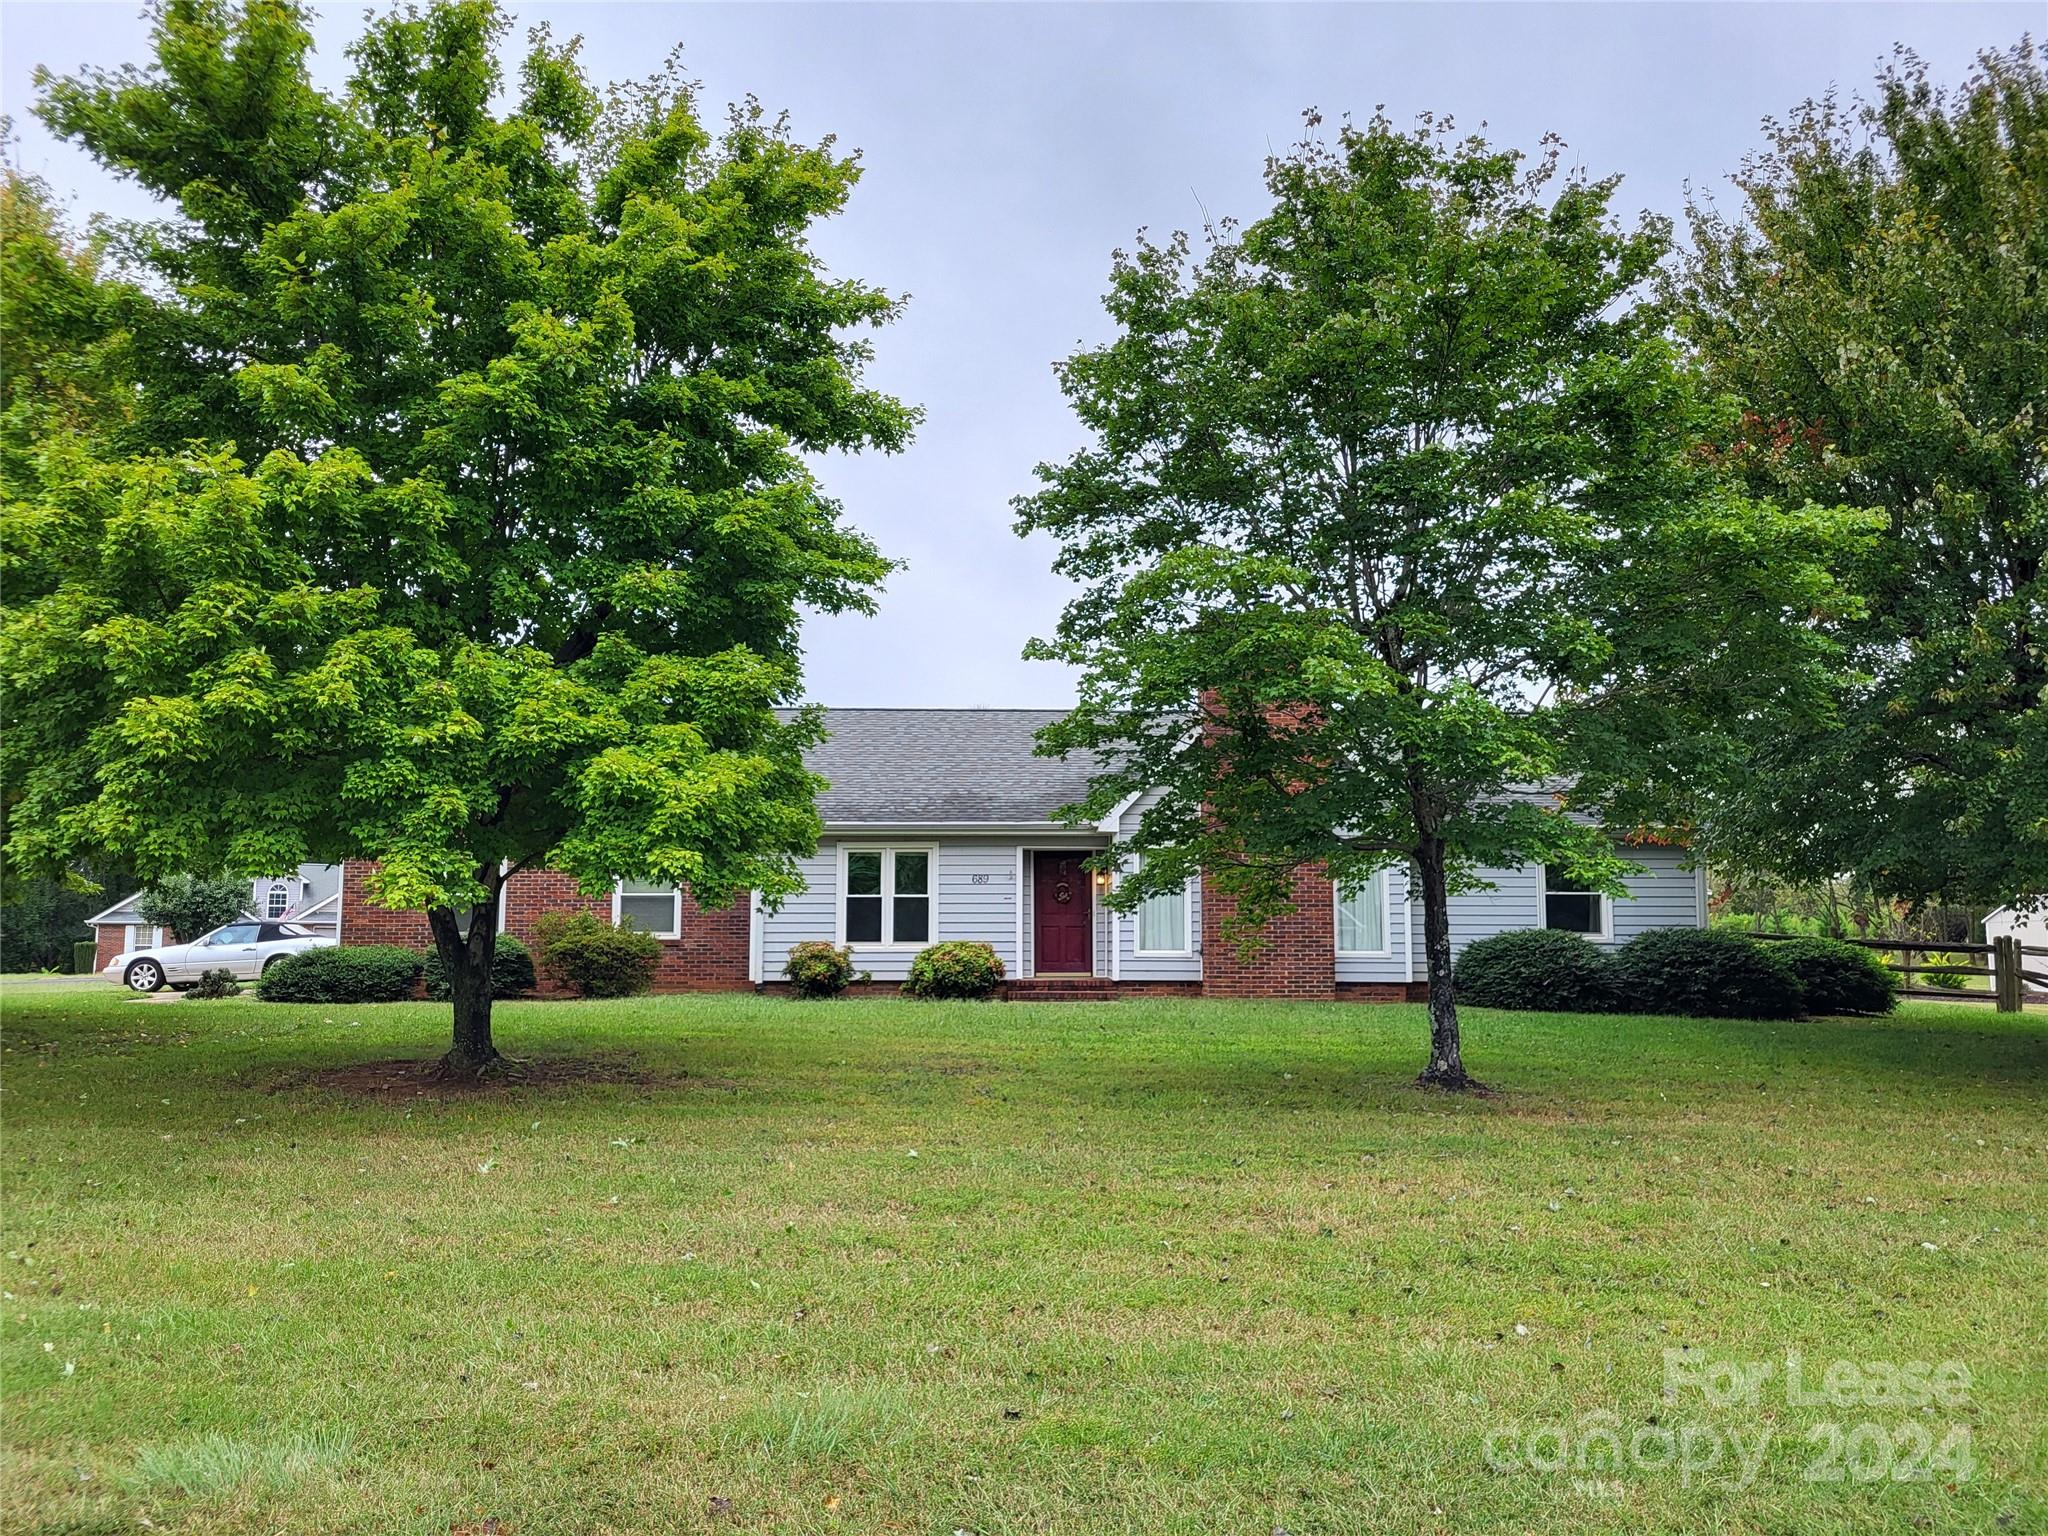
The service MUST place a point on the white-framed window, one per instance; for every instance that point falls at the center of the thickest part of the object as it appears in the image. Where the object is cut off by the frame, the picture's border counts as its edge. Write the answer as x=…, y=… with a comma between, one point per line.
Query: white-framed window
x=1575, y=906
x=1164, y=924
x=886, y=896
x=649, y=906
x=1362, y=917
x=277, y=900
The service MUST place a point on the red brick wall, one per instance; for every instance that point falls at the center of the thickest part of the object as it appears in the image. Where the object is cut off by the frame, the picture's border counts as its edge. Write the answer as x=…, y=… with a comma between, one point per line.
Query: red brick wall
x=362, y=923
x=108, y=937
x=711, y=955
x=1382, y=991
x=1298, y=958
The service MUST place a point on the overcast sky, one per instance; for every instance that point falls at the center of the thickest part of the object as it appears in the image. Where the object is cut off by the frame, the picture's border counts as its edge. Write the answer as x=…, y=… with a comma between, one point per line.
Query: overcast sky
x=1010, y=148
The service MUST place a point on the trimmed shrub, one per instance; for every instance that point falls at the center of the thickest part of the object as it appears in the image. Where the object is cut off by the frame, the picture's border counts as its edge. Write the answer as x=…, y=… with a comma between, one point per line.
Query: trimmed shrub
x=958, y=968
x=1712, y=975
x=583, y=951
x=818, y=969
x=1541, y=968
x=1839, y=978
x=213, y=984
x=511, y=971
x=85, y=957
x=360, y=973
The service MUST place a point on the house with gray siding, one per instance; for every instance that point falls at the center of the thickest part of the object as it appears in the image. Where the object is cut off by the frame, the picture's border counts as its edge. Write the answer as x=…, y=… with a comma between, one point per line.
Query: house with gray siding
x=309, y=896
x=945, y=824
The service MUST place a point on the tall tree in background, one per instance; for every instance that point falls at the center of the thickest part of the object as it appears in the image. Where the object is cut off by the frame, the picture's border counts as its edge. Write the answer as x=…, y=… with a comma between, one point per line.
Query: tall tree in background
x=1878, y=299
x=463, y=521
x=1390, y=518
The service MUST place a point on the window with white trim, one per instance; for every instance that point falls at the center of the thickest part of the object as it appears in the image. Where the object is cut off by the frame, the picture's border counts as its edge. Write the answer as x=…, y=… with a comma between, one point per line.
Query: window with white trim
x=1362, y=917
x=888, y=896
x=1573, y=905
x=278, y=899
x=651, y=907
x=1163, y=924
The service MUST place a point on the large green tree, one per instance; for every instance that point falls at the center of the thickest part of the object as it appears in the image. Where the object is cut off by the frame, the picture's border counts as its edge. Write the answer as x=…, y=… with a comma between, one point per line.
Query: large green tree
x=1389, y=532
x=464, y=518
x=1879, y=298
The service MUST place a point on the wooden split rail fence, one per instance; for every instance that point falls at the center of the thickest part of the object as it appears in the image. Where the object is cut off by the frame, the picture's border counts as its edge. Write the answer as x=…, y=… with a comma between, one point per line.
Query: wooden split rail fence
x=2006, y=961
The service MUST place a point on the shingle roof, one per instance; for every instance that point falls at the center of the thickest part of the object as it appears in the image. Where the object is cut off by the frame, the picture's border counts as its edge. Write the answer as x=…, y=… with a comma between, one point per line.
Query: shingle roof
x=918, y=766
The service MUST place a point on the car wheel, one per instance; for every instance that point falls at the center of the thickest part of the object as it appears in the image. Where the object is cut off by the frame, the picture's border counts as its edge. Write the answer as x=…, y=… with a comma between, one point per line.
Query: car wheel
x=273, y=961
x=144, y=976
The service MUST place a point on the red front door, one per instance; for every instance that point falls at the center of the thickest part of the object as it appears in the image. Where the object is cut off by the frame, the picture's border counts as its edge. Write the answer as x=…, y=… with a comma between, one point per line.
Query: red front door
x=1063, y=915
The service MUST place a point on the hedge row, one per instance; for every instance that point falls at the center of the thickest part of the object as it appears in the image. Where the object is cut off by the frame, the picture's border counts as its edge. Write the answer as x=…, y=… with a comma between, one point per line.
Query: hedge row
x=1691, y=971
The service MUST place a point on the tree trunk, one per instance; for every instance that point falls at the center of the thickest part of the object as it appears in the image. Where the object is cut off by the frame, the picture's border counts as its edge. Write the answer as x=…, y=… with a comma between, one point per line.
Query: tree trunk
x=1446, y=1067
x=466, y=962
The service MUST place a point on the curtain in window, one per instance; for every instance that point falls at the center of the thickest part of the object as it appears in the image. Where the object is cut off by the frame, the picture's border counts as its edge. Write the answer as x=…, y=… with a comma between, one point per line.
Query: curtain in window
x=650, y=908
x=1362, y=918
x=1163, y=921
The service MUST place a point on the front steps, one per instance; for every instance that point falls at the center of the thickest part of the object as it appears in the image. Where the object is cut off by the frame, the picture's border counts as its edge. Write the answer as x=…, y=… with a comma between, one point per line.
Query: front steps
x=1061, y=989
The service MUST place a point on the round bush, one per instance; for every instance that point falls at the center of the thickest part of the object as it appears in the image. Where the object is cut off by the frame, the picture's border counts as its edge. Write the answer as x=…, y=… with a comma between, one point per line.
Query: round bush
x=511, y=971
x=959, y=968
x=1711, y=975
x=818, y=969
x=583, y=951
x=1839, y=978
x=359, y=973
x=1541, y=968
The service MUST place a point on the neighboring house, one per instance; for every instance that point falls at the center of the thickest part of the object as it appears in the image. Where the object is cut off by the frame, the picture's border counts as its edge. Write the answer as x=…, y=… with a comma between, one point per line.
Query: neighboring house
x=2030, y=927
x=940, y=824
x=310, y=897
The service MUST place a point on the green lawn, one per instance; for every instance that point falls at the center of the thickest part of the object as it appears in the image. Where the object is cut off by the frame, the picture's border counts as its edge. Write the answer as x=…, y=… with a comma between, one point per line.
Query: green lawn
x=875, y=1266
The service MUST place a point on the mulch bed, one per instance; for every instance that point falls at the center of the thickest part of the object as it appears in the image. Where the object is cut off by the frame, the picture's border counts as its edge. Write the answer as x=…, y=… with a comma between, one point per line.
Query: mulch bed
x=407, y=1081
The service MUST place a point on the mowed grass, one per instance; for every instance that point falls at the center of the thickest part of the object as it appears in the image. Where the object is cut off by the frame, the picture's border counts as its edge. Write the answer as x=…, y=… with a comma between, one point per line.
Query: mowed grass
x=1128, y=1267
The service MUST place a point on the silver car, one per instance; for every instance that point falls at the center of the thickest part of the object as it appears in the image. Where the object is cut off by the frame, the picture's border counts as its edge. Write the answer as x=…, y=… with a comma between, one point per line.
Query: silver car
x=245, y=949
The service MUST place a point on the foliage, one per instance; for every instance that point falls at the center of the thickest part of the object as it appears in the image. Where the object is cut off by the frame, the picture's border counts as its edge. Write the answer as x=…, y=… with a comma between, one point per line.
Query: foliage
x=354, y=973
x=215, y=984
x=1390, y=511
x=512, y=971
x=1536, y=968
x=1706, y=974
x=963, y=968
x=1948, y=981
x=1840, y=978
x=84, y=957
x=1878, y=302
x=582, y=950
x=41, y=919
x=818, y=969
x=187, y=906
x=466, y=512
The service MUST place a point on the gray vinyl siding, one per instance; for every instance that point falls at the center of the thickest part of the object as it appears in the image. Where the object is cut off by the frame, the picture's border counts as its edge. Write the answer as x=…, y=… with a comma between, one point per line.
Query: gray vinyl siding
x=1664, y=895
x=809, y=914
x=984, y=910
x=1392, y=966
